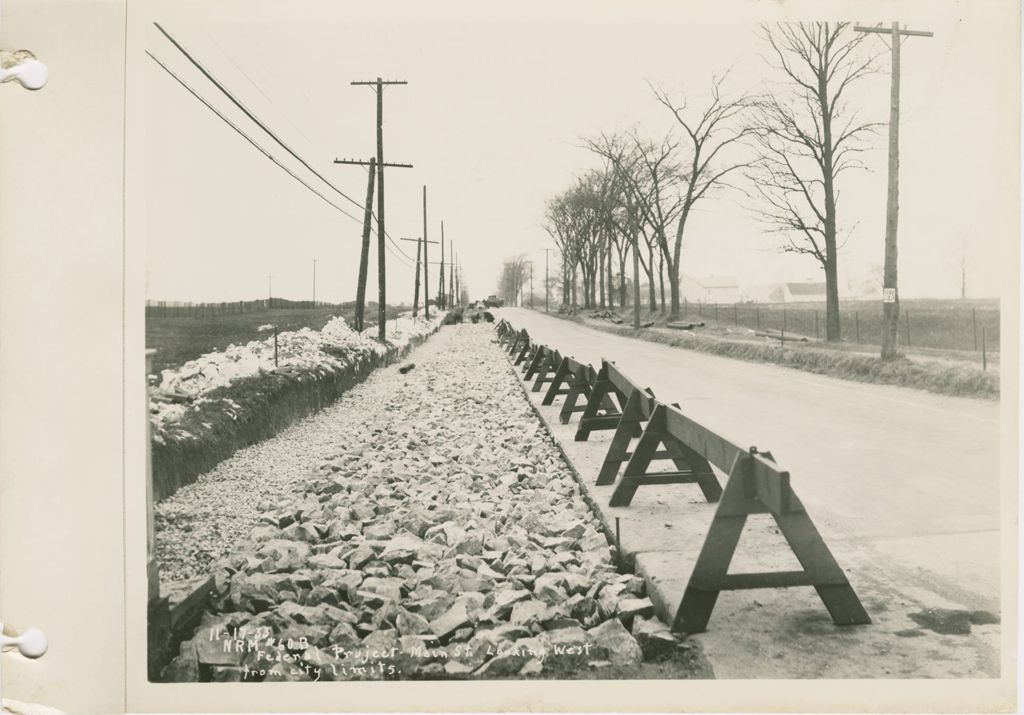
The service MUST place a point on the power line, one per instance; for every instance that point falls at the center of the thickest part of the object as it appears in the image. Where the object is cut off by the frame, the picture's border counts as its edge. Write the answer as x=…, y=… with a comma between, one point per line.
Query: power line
x=245, y=110
x=246, y=136
x=252, y=141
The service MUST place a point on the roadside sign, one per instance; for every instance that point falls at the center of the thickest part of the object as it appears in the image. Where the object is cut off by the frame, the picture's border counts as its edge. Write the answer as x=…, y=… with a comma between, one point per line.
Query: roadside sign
x=888, y=295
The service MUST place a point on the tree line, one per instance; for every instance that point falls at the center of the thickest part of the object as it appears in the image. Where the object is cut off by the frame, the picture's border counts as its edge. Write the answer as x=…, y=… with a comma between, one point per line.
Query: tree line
x=782, y=151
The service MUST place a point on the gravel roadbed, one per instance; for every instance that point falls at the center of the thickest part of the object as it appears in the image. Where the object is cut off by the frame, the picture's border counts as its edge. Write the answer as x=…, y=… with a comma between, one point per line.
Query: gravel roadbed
x=425, y=527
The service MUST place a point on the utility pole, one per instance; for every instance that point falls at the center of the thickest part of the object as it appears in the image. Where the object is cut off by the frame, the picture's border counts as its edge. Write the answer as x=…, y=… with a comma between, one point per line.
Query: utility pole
x=426, y=280
x=416, y=282
x=416, y=288
x=378, y=86
x=365, y=254
x=451, y=274
x=440, y=279
x=547, y=284
x=890, y=293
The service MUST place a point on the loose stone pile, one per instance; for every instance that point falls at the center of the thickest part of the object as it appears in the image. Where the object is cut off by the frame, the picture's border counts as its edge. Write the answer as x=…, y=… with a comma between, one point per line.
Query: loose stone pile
x=447, y=538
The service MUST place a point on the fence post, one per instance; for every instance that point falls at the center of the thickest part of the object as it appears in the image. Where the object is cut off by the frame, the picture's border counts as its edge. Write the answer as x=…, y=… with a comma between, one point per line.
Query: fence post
x=974, y=325
x=984, y=354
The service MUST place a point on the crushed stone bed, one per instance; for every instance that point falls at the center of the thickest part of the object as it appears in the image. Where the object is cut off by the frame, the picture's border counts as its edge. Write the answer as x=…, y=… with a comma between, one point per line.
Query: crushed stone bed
x=426, y=526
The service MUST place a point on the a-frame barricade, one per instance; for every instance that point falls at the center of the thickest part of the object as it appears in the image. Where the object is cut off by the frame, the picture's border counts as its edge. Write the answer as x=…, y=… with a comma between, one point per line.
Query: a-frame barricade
x=532, y=365
x=546, y=370
x=660, y=442
x=530, y=356
x=581, y=384
x=520, y=338
x=523, y=352
x=607, y=401
x=638, y=409
x=558, y=386
x=757, y=486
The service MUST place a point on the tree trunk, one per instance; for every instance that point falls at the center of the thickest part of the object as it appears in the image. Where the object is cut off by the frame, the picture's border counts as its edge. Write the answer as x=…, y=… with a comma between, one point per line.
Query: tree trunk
x=622, y=279
x=661, y=280
x=650, y=279
x=600, y=271
x=611, y=282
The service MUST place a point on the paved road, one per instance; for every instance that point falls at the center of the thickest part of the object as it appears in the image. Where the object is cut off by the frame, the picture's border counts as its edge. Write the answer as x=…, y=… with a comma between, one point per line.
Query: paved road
x=910, y=473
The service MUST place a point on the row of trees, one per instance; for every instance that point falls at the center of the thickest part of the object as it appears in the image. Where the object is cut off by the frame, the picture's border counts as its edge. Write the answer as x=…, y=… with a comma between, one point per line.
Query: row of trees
x=781, y=150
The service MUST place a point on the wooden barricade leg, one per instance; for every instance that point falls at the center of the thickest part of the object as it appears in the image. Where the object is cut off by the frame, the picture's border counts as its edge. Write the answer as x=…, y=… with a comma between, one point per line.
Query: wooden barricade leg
x=514, y=347
x=601, y=413
x=711, y=572
x=535, y=363
x=531, y=353
x=548, y=369
x=524, y=351
x=579, y=385
x=555, y=388
x=691, y=467
x=627, y=429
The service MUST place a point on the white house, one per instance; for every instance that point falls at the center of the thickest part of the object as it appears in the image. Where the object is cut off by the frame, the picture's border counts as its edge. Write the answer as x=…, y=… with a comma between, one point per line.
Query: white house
x=709, y=289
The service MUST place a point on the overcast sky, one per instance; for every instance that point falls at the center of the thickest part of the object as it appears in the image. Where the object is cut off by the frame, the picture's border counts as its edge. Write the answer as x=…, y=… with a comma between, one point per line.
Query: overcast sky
x=492, y=120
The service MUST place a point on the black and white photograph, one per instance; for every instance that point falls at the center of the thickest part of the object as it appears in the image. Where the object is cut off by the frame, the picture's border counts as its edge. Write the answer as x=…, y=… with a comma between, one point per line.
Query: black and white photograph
x=598, y=352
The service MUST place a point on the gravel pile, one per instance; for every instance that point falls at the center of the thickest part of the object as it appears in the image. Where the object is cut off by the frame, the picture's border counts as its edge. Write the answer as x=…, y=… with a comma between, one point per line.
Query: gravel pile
x=443, y=536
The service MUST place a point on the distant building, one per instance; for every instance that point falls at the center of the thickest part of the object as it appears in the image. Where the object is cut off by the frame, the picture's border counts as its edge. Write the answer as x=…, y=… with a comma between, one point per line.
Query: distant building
x=709, y=289
x=806, y=292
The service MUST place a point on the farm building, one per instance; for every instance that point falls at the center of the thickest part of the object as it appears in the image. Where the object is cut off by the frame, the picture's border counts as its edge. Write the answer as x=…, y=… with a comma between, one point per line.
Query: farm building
x=805, y=292
x=709, y=289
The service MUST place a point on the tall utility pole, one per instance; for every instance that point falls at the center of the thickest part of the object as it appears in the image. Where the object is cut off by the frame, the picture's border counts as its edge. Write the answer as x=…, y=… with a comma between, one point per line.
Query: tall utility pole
x=426, y=280
x=416, y=282
x=314, y=282
x=378, y=86
x=365, y=254
x=451, y=274
x=416, y=287
x=440, y=279
x=547, y=284
x=890, y=294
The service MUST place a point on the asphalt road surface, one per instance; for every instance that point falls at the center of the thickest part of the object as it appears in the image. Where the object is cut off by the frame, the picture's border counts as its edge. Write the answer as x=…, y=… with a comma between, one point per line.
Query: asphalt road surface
x=911, y=474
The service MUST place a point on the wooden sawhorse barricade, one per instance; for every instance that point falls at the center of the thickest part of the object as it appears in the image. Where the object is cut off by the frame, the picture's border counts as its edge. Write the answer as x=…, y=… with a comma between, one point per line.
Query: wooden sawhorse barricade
x=757, y=486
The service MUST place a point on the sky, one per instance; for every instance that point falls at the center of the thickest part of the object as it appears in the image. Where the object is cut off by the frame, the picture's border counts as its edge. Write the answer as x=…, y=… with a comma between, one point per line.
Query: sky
x=493, y=119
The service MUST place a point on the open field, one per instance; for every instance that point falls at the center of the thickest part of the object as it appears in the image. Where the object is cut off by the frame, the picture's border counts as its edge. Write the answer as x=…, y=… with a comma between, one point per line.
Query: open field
x=924, y=323
x=179, y=339
x=940, y=370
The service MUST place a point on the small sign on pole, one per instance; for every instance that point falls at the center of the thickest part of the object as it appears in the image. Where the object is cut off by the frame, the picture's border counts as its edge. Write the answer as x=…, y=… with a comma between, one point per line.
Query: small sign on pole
x=888, y=295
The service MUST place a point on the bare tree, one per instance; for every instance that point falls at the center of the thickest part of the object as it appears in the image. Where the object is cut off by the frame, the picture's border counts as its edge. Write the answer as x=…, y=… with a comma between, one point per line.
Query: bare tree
x=513, y=276
x=716, y=138
x=807, y=136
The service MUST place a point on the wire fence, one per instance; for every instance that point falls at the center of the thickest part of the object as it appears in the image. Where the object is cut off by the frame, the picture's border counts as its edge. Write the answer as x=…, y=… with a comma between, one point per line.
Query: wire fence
x=948, y=325
x=181, y=309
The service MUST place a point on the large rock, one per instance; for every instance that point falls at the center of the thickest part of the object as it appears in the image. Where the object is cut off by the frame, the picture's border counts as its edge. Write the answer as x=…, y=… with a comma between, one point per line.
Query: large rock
x=283, y=555
x=622, y=648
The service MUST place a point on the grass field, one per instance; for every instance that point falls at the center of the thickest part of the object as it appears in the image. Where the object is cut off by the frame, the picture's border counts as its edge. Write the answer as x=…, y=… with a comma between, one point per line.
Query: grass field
x=924, y=323
x=179, y=339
